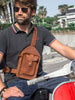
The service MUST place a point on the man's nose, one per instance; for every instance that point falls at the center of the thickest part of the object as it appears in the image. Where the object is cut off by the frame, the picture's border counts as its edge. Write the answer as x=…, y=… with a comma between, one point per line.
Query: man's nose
x=20, y=11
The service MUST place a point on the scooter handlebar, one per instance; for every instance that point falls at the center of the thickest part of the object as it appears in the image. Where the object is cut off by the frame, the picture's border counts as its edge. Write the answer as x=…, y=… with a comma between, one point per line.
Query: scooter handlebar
x=65, y=70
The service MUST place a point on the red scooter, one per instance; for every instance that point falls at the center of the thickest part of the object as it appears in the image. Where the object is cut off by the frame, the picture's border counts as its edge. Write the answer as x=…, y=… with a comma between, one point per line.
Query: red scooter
x=64, y=91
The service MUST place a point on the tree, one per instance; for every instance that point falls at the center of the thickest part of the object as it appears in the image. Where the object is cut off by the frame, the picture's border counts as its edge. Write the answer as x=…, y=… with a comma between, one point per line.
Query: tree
x=4, y=9
x=71, y=26
x=36, y=19
x=63, y=8
x=42, y=12
x=63, y=22
x=49, y=20
x=12, y=11
x=55, y=20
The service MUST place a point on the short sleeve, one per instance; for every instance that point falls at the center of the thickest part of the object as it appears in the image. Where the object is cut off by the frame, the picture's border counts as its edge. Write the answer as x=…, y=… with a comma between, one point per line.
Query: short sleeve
x=48, y=37
x=2, y=42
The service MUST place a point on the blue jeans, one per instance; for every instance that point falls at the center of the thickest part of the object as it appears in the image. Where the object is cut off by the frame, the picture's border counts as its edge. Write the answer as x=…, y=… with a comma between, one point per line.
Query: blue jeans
x=29, y=90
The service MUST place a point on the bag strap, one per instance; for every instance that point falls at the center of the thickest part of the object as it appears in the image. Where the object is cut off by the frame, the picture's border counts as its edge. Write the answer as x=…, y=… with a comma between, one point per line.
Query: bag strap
x=34, y=37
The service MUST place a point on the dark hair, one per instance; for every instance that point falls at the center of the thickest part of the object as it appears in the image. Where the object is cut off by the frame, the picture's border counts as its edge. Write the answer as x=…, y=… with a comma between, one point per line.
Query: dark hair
x=29, y=3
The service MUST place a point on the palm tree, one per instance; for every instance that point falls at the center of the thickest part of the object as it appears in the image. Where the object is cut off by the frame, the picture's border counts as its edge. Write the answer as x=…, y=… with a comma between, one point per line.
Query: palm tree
x=12, y=11
x=63, y=22
x=63, y=8
x=42, y=12
x=36, y=19
x=4, y=9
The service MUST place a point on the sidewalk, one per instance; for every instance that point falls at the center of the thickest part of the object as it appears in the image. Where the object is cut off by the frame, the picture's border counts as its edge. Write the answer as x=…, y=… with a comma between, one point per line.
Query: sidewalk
x=54, y=60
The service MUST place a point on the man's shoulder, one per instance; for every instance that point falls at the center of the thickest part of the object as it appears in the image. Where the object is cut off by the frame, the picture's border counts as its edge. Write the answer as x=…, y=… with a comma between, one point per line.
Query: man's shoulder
x=43, y=30
x=6, y=31
x=40, y=27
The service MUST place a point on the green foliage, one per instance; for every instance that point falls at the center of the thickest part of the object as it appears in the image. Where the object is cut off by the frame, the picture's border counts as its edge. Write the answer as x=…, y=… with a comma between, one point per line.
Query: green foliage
x=48, y=26
x=36, y=19
x=62, y=6
x=71, y=6
x=49, y=20
x=59, y=28
x=71, y=26
x=42, y=11
x=4, y=26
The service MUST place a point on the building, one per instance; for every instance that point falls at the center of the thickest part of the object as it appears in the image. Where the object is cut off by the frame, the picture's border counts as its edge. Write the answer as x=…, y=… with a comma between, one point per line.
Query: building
x=67, y=18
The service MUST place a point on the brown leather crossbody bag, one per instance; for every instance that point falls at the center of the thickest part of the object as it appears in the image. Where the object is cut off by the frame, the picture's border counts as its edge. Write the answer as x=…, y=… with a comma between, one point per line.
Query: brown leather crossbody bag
x=29, y=60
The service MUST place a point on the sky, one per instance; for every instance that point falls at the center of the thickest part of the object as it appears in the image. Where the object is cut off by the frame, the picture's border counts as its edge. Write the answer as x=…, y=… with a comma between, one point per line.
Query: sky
x=52, y=5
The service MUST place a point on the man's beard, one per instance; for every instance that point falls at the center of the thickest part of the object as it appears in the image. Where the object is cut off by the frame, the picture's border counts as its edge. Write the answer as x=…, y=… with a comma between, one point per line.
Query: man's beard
x=23, y=22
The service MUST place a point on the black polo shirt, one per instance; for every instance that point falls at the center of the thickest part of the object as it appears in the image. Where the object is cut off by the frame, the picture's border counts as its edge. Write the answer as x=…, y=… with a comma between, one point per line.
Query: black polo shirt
x=13, y=41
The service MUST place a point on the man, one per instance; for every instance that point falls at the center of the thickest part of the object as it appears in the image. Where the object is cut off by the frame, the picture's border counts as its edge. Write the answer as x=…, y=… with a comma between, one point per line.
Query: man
x=17, y=37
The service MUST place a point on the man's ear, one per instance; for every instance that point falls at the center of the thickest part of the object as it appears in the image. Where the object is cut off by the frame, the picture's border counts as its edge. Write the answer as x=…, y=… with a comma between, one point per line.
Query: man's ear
x=33, y=12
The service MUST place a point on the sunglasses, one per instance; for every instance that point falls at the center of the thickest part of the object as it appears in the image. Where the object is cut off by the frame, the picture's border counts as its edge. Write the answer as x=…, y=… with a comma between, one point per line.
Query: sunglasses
x=23, y=9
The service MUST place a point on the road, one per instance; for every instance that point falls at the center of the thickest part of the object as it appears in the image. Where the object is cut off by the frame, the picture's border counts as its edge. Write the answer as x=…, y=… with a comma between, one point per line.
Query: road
x=49, y=66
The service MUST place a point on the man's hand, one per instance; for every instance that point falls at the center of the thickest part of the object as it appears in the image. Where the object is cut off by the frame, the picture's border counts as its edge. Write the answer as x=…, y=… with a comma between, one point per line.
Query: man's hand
x=13, y=92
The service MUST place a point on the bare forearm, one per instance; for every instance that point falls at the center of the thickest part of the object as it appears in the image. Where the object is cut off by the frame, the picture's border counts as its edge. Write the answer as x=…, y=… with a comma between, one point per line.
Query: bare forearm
x=69, y=53
x=1, y=84
x=63, y=50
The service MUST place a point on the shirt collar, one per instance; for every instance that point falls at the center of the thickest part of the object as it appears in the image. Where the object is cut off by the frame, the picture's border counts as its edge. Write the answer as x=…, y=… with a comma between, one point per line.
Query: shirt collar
x=16, y=30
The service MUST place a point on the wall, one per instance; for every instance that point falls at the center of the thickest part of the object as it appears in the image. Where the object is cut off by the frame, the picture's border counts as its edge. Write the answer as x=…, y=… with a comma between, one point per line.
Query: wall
x=66, y=39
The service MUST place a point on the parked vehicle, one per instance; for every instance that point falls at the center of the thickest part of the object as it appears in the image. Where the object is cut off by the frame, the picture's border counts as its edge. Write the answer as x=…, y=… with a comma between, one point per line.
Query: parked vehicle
x=64, y=91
